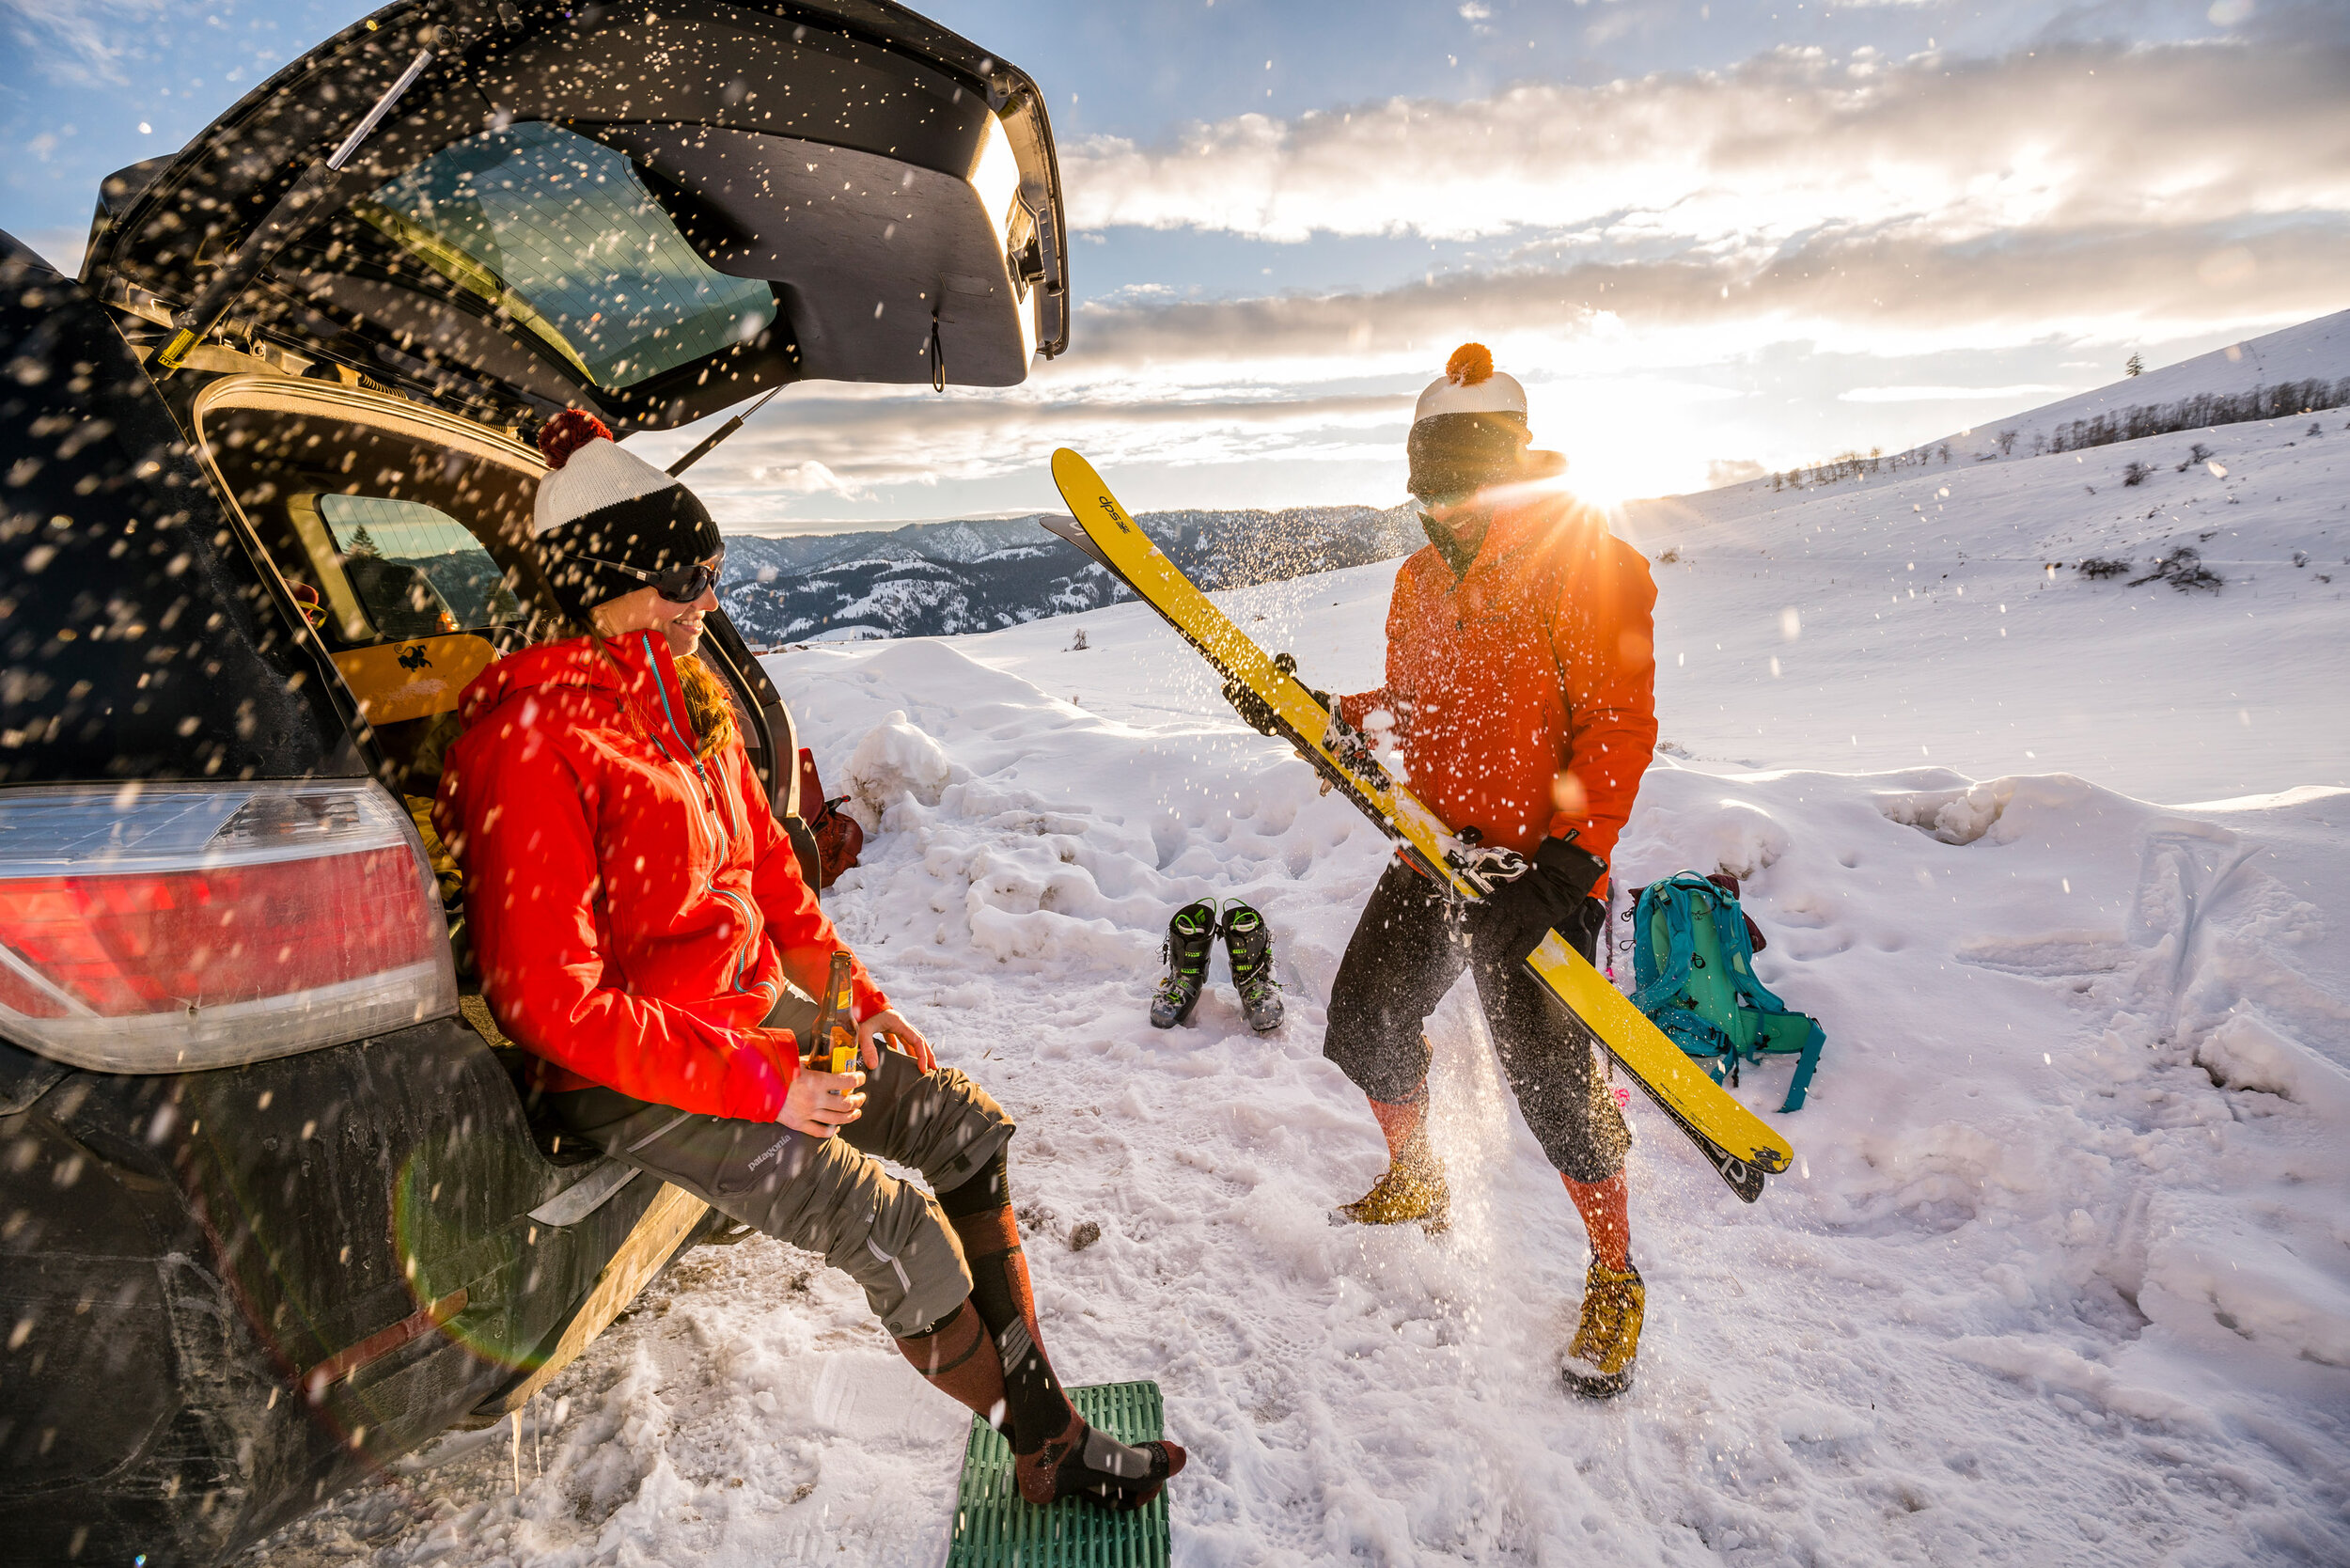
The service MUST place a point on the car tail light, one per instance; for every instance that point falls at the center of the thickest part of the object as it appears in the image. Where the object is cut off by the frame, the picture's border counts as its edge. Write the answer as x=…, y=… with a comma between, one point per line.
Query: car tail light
x=166, y=928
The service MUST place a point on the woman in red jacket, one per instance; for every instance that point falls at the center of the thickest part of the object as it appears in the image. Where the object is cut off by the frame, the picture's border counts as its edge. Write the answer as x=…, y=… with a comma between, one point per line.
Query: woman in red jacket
x=644, y=931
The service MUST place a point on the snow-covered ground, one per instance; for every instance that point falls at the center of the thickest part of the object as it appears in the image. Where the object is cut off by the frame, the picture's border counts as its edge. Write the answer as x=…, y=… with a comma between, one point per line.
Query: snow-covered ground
x=2062, y=1274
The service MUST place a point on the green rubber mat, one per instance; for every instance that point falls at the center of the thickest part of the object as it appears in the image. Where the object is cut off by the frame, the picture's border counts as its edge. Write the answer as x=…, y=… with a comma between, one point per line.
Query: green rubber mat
x=995, y=1528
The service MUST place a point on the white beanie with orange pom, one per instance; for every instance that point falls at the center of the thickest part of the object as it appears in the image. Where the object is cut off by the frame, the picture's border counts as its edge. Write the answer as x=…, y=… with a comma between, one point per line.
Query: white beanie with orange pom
x=1468, y=430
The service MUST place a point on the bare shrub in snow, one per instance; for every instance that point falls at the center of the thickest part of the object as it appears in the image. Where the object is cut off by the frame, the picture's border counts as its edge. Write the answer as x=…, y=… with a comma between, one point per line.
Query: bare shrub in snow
x=2097, y=568
x=2134, y=473
x=2184, y=570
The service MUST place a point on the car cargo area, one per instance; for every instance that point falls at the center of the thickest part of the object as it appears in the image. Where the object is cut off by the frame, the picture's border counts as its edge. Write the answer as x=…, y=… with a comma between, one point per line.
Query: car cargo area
x=409, y=527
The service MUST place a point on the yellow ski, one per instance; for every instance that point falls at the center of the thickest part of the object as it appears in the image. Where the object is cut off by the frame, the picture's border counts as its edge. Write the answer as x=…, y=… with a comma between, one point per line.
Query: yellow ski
x=1741, y=1145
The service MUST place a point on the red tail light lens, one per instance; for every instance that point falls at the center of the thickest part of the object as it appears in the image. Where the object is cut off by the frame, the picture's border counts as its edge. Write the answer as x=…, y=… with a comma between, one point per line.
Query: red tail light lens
x=179, y=927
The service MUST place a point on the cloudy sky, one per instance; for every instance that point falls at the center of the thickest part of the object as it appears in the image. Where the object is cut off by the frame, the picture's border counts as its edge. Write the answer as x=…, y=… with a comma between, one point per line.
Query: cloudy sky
x=1707, y=234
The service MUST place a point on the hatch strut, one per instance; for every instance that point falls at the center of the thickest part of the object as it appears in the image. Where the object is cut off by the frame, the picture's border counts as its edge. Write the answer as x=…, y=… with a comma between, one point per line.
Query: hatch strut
x=702, y=449
x=285, y=221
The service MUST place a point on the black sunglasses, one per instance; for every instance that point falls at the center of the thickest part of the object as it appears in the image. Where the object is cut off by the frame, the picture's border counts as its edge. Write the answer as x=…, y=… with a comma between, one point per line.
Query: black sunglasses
x=1427, y=506
x=679, y=584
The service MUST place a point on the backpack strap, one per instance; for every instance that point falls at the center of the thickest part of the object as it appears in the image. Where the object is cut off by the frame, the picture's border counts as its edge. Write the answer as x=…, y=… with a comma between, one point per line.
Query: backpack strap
x=1732, y=933
x=1815, y=1038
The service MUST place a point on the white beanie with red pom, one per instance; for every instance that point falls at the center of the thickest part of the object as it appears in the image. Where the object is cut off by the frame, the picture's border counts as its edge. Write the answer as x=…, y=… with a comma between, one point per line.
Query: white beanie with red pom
x=600, y=506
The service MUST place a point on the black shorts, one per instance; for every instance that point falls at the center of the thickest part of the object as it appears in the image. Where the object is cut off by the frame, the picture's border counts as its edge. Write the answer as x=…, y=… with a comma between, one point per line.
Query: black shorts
x=1409, y=946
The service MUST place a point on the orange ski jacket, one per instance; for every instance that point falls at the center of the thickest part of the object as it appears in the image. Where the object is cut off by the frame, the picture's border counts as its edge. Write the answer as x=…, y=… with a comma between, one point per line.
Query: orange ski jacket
x=635, y=910
x=1523, y=691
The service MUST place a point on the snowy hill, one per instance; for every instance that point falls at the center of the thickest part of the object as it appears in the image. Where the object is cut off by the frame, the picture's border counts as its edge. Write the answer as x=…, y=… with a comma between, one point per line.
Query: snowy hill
x=2315, y=350
x=2063, y=1273
x=933, y=578
x=1941, y=615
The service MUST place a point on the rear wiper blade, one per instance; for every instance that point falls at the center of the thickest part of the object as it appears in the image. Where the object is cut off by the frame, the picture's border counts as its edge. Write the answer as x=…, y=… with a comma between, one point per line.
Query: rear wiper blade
x=288, y=219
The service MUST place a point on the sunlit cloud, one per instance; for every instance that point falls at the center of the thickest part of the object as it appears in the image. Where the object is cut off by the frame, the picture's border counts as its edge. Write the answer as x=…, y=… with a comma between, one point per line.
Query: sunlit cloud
x=1875, y=295
x=1621, y=384
x=1785, y=144
x=858, y=440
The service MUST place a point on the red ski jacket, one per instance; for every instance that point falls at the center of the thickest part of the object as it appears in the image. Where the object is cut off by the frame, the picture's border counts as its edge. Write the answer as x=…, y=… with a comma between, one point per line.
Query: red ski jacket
x=1524, y=691
x=634, y=911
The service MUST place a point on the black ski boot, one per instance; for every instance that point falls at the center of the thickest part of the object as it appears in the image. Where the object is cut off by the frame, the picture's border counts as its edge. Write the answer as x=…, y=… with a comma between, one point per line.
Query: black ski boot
x=1190, y=935
x=1250, y=947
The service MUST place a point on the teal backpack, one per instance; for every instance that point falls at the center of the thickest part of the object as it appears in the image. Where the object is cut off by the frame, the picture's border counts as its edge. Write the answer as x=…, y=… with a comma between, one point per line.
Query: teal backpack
x=1693, y=966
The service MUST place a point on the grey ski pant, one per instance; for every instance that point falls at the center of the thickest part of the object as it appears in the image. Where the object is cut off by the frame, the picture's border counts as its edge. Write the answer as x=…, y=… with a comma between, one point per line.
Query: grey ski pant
x=1407, y=950
x=828, y=1195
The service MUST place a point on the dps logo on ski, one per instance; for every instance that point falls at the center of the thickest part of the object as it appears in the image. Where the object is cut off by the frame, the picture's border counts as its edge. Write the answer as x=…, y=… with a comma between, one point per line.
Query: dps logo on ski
x=1110, y=509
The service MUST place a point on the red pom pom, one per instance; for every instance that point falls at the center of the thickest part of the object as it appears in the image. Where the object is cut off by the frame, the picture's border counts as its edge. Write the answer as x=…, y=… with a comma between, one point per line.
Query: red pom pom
x=567, y=432
x=1470, y=364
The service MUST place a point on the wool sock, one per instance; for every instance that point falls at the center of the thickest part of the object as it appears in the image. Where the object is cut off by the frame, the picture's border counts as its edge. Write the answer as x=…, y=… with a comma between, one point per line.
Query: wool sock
x=956, y=1354
x=1606, y=1211
x=980, y=1210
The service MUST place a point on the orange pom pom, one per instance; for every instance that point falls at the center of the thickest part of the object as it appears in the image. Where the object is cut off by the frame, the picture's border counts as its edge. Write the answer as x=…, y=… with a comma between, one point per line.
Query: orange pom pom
x=567, y=432
x=1470, y=364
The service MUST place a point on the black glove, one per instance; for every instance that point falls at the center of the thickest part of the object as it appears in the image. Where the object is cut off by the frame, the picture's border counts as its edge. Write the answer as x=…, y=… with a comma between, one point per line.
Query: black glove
x=1560, y=877
x=1255, y=712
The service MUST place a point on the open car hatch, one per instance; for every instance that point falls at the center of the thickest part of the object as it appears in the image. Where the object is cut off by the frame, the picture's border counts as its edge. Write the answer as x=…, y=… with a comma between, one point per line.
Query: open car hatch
x=650, y=210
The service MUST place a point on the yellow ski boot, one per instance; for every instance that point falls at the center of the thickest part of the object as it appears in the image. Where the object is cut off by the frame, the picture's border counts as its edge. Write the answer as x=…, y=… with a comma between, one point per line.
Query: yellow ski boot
x=1413, y=1189
x=1599, y=1358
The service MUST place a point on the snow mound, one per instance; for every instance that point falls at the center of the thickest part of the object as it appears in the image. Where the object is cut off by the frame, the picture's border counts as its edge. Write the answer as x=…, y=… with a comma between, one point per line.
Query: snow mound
x=895, y=762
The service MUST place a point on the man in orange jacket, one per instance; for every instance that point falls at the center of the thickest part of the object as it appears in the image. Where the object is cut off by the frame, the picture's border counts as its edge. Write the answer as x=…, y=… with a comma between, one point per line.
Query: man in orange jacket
x=1521, y=691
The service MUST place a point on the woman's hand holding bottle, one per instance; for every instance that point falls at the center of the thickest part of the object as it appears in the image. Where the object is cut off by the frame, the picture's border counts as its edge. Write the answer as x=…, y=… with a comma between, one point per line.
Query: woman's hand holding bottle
x=819, y=1103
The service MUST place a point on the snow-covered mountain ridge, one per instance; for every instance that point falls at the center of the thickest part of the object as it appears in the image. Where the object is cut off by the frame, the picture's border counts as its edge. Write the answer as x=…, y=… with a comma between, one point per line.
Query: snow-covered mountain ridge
x=2298, y=371
x=933, y=578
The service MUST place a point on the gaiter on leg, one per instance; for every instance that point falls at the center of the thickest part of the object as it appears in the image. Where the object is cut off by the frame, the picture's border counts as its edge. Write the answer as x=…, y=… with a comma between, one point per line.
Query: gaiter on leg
x=1059, y=1455
x=1403, y=1122
x=980, y=1212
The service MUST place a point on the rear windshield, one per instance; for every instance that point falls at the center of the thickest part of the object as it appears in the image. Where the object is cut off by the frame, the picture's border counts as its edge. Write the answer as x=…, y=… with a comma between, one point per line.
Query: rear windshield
x=136, y=641
x=559, y=233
